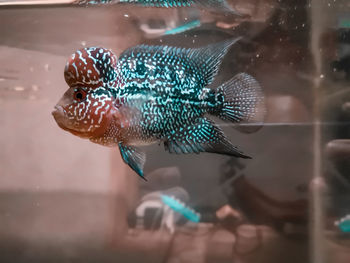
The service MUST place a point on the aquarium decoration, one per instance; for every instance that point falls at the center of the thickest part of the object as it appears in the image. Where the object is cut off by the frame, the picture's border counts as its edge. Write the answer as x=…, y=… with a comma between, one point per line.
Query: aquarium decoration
x=181, y=208
x=183, y=28
x=344, y=224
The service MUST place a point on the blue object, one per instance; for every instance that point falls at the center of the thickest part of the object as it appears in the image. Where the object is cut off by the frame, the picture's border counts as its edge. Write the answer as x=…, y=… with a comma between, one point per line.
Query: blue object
x=183, y=28
x=215, y=5
x=181, y=208
x=344, y=224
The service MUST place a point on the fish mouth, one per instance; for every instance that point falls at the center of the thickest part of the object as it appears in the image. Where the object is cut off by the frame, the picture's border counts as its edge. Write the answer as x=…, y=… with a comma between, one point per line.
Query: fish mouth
x=64, y=124
x=58, y=115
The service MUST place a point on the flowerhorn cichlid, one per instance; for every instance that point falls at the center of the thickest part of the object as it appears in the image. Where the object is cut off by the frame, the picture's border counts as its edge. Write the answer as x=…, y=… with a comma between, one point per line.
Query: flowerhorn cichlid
x=155, y=94
x=215, y=5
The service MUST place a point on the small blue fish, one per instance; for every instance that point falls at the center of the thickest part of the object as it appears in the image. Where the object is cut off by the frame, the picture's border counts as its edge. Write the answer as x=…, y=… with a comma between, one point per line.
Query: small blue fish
x=181, y=208
x=215, y=5
x=156, y=94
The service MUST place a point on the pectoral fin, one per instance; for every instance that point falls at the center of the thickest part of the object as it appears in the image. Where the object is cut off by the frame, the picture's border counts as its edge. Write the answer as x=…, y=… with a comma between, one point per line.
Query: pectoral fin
x=134, y=158
x=202, y=136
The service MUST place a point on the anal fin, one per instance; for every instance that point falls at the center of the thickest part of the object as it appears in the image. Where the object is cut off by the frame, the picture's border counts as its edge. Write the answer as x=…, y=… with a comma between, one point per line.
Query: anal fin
x=134, y=158
x=202, y=136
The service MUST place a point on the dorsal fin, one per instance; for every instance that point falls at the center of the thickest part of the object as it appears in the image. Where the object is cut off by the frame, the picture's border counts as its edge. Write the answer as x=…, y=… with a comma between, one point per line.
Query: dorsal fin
x=210, y=57
x=206, y=60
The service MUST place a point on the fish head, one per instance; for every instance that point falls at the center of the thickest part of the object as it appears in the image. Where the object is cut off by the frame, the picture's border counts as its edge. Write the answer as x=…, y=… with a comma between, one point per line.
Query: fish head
x=85, y=109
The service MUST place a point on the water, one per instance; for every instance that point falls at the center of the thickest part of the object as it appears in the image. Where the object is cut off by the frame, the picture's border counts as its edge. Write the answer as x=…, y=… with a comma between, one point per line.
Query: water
x=66, y=199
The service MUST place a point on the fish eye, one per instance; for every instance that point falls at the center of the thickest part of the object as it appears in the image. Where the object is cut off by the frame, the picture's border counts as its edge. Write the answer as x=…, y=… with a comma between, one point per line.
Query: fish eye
x=79, y=94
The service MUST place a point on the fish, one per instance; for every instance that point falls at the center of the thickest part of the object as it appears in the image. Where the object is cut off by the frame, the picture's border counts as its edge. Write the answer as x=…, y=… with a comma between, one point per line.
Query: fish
x=214, y=5
x=156, y=94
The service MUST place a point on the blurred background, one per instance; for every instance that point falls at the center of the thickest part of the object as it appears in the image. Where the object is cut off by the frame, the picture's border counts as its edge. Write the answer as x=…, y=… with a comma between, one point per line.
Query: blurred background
x=64, y=199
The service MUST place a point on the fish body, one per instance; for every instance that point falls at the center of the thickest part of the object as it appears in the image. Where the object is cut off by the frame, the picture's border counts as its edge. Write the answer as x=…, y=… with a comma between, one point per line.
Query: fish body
x=215, y=5
x=155, y=94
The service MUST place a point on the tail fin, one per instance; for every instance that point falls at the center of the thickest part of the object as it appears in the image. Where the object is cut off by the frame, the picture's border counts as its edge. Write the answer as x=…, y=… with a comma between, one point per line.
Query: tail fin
x=240, y=100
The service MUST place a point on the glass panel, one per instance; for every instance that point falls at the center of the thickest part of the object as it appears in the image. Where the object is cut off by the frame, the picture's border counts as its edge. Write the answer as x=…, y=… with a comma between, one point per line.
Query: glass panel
x=64, y=199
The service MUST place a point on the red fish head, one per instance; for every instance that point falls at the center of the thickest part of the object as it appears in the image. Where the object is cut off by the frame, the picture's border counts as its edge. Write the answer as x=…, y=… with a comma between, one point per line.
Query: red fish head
x=86, y=107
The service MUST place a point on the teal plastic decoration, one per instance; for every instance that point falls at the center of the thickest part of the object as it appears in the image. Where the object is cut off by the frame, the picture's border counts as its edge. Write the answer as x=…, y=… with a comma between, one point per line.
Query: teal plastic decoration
x=181, y=208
